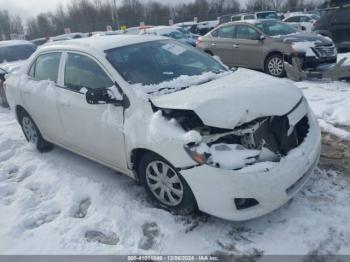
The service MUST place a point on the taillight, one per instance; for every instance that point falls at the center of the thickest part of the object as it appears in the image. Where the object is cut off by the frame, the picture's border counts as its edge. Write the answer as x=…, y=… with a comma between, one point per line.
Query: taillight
x=198, y=41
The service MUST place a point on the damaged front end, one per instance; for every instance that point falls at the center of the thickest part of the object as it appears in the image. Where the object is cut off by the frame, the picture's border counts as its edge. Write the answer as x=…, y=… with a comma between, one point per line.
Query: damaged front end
x=265, y=139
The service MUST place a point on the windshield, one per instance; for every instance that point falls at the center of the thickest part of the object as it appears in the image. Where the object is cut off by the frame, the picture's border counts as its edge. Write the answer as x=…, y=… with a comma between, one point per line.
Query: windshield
x=275, y=28
x=267, y=15
x=15, y=53
x=158, y=61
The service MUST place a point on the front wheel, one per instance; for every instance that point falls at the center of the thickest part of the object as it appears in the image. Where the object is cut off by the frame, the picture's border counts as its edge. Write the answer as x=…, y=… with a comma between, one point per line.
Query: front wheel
x=165, y=185
x=32, y=133
x=275, y=66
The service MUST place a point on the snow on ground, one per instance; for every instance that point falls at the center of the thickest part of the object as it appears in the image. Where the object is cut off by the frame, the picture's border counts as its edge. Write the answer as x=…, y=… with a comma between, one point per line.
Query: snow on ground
x=61, y=203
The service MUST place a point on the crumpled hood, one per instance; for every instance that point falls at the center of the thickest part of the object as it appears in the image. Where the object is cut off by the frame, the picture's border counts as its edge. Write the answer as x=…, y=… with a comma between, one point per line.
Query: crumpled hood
x=12, y=66
x=305, y=37
x=234, y=99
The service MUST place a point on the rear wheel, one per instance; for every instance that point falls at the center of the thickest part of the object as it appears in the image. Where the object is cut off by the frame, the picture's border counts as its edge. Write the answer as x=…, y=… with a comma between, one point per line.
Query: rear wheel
x=165, y=185
x=275, y=65
x=32, y=133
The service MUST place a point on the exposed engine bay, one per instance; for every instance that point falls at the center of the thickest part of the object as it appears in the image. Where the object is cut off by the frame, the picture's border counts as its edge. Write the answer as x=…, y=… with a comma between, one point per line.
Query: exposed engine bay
x=266, y=139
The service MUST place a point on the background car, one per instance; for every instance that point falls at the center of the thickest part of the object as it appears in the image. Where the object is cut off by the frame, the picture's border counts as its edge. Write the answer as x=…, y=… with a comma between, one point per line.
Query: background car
x=265, y=44
x=335, y=23
x=69, y=36
x=12, y=55
x=256, y=15
x=303, y=21
x=172, y=32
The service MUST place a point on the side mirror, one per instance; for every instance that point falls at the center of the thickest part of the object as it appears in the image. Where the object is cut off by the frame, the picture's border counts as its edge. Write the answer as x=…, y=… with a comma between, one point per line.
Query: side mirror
x=262, y=37
x=106, y=96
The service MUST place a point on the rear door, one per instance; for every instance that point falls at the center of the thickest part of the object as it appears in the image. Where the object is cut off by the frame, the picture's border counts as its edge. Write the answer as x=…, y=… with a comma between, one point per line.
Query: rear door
x=221, y=44
x=95, y=131
x=40, y=93
x=247, y=47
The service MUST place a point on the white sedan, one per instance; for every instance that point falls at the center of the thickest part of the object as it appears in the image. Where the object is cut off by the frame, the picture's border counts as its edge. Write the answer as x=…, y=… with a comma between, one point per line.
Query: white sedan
x=235, y=144
x=303, y=21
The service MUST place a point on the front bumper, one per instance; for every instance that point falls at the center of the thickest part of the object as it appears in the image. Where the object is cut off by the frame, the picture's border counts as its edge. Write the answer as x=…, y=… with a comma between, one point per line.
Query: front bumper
x=311, y=62
x=215, y=189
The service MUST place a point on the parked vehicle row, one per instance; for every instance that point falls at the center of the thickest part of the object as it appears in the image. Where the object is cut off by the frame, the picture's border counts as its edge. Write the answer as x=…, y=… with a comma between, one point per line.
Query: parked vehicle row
x=12, y=55
x=266, y=44
x=193, y=132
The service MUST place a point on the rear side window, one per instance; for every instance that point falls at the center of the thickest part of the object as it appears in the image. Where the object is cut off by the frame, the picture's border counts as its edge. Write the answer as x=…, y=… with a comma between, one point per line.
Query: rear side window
x=305, y=19
x=235, y=18
x=46, y=67
x=247, y=17
x=81, y=71
x=246, y=32
x=225, y=32
x=293, y=19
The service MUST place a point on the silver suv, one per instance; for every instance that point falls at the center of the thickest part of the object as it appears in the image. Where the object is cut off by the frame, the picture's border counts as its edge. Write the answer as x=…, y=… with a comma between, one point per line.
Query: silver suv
x=265, y=44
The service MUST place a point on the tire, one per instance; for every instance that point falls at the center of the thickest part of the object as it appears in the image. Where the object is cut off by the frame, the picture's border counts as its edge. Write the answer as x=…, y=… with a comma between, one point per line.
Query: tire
x=177, y=196
x=275, y=65
x=32, y=133
x=3, y=100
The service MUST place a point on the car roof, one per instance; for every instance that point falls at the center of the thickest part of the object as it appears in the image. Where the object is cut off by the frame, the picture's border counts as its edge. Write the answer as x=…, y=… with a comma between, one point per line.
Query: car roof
x=101, y=43
x=14, y=43
x=252, y=21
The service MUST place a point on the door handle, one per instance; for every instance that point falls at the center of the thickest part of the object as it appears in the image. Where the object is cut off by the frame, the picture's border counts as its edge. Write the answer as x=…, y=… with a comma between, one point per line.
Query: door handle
x=235, y=46
x=213, y=44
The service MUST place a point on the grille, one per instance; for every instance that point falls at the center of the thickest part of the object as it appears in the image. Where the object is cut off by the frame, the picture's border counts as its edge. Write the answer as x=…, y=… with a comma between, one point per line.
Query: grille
x=325, y=51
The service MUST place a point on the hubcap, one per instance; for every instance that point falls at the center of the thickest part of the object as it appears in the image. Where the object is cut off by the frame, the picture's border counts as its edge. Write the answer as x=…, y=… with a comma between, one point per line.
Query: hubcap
x=275, y=66
x=29, y=130
x=164, y=183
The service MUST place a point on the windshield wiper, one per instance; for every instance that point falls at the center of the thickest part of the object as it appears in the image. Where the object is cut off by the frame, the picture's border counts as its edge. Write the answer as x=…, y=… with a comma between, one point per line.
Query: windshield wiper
x=168, y=88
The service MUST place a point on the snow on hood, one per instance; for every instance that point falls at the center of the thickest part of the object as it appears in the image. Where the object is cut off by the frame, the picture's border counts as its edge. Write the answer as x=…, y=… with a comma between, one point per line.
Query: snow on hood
x=10, y=67
x=305, y=37
x=147, y=91
x=234, y=99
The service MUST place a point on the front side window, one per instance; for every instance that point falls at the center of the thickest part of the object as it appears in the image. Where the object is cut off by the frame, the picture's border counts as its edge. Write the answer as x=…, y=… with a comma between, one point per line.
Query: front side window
x=81, y=71
x=246, y=32
x=159, y=61
x=46, y=67
x=267, y=15
x=305, y=19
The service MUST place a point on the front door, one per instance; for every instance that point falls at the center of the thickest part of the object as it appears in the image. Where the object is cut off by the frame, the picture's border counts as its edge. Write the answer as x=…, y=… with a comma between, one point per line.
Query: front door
x=247, y=47
x=93, y=130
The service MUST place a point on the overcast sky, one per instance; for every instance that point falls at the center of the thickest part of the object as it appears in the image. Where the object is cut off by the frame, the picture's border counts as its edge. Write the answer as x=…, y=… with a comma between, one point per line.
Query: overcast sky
x=30, y=8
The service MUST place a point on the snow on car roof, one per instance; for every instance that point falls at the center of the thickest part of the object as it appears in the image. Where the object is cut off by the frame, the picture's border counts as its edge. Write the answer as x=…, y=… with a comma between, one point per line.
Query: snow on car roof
x=102, y=43
x=15, y=42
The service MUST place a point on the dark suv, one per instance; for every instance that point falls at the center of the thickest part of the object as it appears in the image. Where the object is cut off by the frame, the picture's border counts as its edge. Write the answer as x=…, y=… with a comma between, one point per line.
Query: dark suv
x=12, y=53
x=335, y=23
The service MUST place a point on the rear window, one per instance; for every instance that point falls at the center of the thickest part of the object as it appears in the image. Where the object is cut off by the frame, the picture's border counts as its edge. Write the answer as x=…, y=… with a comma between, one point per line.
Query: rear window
x=16, y=52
